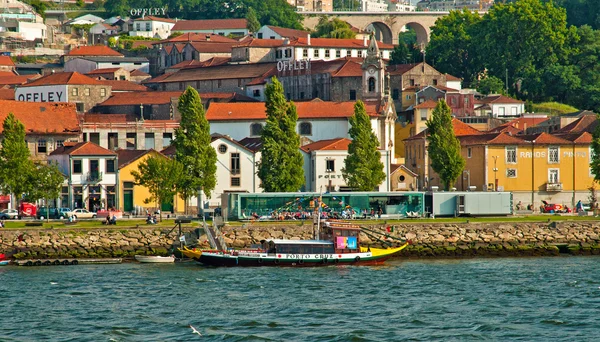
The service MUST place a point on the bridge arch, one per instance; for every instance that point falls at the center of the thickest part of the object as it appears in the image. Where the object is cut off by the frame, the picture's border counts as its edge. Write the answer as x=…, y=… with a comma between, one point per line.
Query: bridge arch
x=383, y=32
x=421, y=31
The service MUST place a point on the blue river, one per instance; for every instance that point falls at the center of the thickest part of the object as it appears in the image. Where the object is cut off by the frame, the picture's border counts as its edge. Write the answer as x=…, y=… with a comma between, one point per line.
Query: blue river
x=525, y=299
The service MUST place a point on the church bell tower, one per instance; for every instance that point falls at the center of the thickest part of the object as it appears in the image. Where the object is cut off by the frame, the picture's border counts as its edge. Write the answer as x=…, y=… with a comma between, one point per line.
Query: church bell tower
x=373, y=76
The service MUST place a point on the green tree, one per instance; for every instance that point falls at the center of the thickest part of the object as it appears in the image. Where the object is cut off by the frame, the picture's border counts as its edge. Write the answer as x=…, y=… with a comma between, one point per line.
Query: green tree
x=253, y=24
x=490, y=85
x=363, y=169
x=345, y=5
x=99, y=4
x=452, y=47
x=581, y=12
x=47, y=181
x=80, y=3
x=15, y=166
x=334, y=28
x=160, y=176
x=444, y=147
x=400, y=55
x=595, y=162
x=193, y=149
x=40, y=7
x=117, y=7
x=280, y=168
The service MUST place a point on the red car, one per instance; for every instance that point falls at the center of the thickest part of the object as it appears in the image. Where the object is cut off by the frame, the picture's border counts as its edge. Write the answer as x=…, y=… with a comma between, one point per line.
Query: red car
x=27, y=210
x=555, y=208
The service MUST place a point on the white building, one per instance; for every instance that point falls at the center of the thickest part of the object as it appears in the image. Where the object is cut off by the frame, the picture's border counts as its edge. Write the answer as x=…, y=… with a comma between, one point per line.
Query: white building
x=91, y=175
x=400, y=6
x=374, y=5
x=499, y=106
x=274, y=32
x=84, y=65
x=152, y=27
x=222, y=27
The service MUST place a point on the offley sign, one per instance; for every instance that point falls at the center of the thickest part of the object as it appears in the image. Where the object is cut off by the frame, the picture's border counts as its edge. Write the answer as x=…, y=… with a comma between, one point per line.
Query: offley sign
x=53, y=93
x=303, y=64
x=147, y=11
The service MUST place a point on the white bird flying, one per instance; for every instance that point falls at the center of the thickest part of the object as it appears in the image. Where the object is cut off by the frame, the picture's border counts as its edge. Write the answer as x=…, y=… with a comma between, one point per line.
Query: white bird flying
x=194, y=331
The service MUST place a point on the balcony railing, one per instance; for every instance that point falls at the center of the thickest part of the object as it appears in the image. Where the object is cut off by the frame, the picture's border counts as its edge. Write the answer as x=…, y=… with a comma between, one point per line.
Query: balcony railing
x=93, y=177
x=554, y=186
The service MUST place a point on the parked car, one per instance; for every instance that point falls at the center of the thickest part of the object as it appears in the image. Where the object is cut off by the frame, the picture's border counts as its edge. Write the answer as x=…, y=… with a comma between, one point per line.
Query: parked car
x=53, y=213
x=83, y=213
x=9, y=214
x=555, y=208
x=27, y=209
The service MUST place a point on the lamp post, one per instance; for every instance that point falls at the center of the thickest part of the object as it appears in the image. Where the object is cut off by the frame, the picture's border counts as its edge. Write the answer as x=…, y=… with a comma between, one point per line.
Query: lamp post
x=495, y=169
x=468, y=178
x=533, y=173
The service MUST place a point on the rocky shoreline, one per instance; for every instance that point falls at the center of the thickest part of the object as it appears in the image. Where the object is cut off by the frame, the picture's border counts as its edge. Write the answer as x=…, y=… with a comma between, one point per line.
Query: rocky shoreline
x=429, y=240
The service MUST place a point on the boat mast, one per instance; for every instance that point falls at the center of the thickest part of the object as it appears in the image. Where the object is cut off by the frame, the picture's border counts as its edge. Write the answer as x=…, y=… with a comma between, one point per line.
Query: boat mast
x=318, y=220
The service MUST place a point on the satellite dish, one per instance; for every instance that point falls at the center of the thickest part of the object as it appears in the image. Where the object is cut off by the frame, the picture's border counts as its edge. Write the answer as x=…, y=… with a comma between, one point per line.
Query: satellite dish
x=337, y=188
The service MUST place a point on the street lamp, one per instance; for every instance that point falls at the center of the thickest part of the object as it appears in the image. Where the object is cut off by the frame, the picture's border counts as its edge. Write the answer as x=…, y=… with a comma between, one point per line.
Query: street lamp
x=468, y=179
x=495, y=169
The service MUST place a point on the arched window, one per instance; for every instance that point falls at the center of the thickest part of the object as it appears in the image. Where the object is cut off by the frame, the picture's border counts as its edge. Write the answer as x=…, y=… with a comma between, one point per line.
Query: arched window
x=371, y=84
x=305, y=128
x=256, y=129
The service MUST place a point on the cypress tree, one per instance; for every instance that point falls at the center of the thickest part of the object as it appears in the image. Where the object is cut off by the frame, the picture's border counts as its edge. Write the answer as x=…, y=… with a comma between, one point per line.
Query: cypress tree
x=280, y=168
x=15, y=165
x=444, y=147
x=193, y=149
x=363, y=169
x=595, y=157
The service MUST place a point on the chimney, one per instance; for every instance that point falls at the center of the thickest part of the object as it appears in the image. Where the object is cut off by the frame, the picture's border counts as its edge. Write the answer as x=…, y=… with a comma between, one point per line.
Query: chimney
x=286, y=41
x=208, y=38
x=308, y=39
x=365, y=42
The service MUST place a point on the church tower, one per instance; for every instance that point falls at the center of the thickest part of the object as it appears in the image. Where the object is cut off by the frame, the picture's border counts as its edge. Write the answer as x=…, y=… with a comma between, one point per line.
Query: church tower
x=373, y=80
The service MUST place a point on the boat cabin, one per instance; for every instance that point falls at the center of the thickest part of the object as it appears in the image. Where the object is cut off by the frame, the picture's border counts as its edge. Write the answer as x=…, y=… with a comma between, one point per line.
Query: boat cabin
x=275, y=246
x=345, y=236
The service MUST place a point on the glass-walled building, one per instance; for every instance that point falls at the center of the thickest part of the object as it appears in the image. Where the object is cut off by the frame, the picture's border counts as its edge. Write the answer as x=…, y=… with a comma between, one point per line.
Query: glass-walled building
x=240, y=206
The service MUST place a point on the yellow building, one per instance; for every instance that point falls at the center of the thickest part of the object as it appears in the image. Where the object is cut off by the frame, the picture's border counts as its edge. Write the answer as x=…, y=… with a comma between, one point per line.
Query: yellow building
x=132, y=196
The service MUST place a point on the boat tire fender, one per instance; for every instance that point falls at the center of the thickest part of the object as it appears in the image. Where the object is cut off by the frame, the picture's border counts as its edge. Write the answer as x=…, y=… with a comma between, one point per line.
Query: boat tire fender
x=324, y=260
x=357, y=259
x=65, y=262
x=300, y=262
x=38, y=263
x=29, y=263
x=336, y=261
x=260, y=260
x=56, y=262
x=276, y=261
x=74, y=262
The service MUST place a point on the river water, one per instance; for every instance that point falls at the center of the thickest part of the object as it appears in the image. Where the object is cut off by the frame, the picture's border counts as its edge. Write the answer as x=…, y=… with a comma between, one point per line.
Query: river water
x=527, y=299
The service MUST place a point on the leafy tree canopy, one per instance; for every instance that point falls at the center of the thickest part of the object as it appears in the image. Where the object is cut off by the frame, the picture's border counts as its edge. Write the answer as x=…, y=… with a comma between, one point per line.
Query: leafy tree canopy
x=490, y=85
x=334, y=28
x=15, y=165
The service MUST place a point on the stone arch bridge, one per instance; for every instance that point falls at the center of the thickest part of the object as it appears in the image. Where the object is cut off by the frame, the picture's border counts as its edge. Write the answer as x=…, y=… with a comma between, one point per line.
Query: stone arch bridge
x=387, y=25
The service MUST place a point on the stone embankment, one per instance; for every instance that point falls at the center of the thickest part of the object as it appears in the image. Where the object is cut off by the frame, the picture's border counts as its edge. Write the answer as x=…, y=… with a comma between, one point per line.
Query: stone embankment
x=428, y=240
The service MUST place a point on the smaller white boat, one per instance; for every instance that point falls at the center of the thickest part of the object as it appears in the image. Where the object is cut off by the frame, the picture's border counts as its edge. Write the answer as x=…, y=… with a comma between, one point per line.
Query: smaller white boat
x=154, y=259
x=4, y=262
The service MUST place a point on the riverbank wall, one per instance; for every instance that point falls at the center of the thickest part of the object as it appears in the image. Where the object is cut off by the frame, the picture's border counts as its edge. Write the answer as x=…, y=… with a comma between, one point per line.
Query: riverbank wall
x=429, y=240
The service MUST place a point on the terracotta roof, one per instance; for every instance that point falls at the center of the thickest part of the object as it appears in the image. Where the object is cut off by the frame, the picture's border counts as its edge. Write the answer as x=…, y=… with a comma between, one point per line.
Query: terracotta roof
x=452, y=78
x=287, y=32
x=212, y=24
x=506, y=129
x=17, y=79
x=157, y=79
x=219, y=72
x=146, y=43
x=7, y=94
x=96, y=50
x=126, y=157
x=61, y=78
x=584, y=138
x=460, y=129
x=107, y=118
x=85, y=148
x=214, y=61
x=426, y=105
x=350, y=68
x=6, y=61
x=545, y=139
x=337, y=144
x=7, y=73
x=500, y=99
x=586, y=123
x=103, y=71
x=525, y=122
x=42, y=117
x=169, y=151
x=138, y=72
x=334, y=42
x=123, y=85
x=196, y=37
x=255, y=42
x=110, y=27
x=396, y=167
x=153, y=18
x=146, y=98
x=211, y=47
x=400, y=69
x=305, y=110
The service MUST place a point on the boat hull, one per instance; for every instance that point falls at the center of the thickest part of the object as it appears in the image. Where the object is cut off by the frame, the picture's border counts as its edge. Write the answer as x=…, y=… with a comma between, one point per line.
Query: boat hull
x=4, y=262
x=364, y=258
x=154, y=259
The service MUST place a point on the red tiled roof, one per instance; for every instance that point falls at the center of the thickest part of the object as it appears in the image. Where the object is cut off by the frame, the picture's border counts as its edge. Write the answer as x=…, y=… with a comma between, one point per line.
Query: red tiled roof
x=506, y=129
x=545, y=139
x=126, y=157
x=7, y=73
x=146, y=43
x=103, y=71
x=157, y=79
x=153, y=18
x=107, y=118
x=584, y=138
x=6, y=61
x=212, y=24
x=85, y=148
x=255, y=42
x=452, y=78
x=349, y=69
x=525, y=122
x=305, y=110
x=138, y=72
x=96, y=50
x=7, y=94
x=337, y=144
x=110, y=27
x=211, y=47
x=146, y=98
x=586, y=123
x=196, y=37
x=426, y=105
x=123, y=85
x=60, y=78
x=333, y=42
x=400, y=69
x=288, y=33
x=460, y=129
x=17, y=79
x=42, y=117
x=219, y=72
x=500, y=99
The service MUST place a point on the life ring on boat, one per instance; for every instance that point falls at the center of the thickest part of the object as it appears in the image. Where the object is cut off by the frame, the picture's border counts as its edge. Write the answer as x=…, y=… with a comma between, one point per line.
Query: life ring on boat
x=260, y=260
x=276, y=261
x=324, y=260
x=357, y=259
x=336, y=261
x=300, y=262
